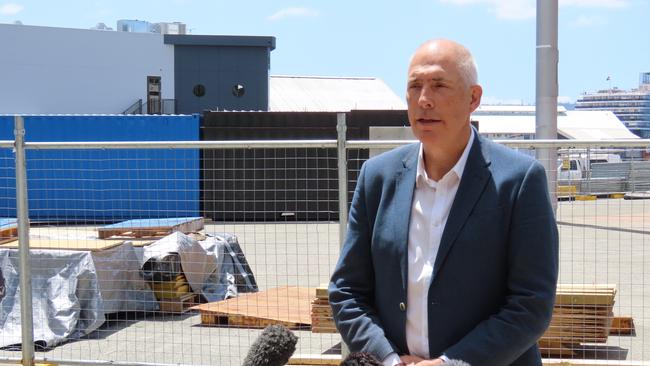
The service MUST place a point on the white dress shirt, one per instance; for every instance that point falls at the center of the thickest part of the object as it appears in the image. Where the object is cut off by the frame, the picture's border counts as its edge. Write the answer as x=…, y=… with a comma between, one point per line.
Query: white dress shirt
x=429, y=212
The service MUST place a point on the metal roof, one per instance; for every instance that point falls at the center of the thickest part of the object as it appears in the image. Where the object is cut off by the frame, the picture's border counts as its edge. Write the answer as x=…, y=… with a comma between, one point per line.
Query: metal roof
x=592, y=125
x=330, y=94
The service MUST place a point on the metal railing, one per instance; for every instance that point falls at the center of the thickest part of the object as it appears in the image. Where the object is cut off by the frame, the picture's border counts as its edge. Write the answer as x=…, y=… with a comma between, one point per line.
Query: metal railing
x=167, y=106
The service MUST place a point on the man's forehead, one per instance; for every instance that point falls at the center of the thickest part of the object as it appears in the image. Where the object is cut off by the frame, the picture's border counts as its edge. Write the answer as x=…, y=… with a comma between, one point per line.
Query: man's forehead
x=430, y=72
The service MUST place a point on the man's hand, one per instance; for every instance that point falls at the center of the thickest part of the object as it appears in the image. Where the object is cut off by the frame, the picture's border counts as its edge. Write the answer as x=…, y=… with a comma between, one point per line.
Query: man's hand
x=435, y=362
x=409, y=360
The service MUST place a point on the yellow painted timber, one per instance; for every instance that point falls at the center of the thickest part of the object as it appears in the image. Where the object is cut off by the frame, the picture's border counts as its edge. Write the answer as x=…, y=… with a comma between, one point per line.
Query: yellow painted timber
x=585, y=198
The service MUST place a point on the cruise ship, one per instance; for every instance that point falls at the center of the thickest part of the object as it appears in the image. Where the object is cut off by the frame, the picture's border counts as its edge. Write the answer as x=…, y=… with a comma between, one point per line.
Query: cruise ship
x=632, y=107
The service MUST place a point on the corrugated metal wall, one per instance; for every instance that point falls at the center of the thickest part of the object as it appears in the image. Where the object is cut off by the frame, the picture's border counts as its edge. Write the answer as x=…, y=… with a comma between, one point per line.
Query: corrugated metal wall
x=279, y=184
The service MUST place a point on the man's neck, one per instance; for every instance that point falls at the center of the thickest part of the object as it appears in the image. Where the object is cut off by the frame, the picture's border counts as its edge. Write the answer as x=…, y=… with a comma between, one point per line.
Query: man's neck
x=438, y=162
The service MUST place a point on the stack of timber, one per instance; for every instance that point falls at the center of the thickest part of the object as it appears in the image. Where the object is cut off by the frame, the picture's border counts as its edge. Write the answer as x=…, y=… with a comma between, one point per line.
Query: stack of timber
x=321, y=312
x=174, y=296
x=582, y=314
x=288, y=306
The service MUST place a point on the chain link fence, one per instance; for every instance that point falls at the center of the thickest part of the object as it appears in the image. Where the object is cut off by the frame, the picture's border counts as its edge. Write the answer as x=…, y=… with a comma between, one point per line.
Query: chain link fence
x=181, y=252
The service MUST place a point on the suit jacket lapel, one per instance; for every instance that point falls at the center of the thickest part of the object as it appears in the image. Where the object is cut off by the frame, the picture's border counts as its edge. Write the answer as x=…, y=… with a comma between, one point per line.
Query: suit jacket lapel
x=472, y=184
x=404, y=187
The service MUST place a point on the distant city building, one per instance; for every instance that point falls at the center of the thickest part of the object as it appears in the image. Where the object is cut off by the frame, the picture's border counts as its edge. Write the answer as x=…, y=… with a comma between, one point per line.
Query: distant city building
x=102, y=26
x=142, y=26
x=170, y=28
x=134, y=26
x=632, y=107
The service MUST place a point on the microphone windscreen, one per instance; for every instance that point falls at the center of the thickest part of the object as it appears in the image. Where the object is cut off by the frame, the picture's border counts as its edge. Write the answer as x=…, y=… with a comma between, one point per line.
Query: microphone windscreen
x=273, y=347
x=360, y=359
x=456, y=363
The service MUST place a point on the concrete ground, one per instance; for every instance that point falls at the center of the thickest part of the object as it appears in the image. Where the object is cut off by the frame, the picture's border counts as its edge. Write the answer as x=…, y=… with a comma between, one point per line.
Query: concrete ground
x=602, y=241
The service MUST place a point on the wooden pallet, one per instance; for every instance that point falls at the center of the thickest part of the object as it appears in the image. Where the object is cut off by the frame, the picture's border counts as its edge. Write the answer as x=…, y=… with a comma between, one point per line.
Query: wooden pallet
x=178, y=305
x=289, y=306
x=8, y=229
x=151, y=227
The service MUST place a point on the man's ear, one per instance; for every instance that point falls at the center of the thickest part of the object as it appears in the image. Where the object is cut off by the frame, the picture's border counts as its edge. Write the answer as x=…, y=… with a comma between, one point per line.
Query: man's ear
x=477, y=93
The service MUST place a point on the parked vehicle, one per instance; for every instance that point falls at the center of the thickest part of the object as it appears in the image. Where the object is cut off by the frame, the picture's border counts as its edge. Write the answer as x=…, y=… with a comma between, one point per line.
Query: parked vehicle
x=574, y=167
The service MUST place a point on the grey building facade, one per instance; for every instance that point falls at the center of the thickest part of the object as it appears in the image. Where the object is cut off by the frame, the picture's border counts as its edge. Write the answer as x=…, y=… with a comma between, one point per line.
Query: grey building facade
x=221, y=72
x=81, y=71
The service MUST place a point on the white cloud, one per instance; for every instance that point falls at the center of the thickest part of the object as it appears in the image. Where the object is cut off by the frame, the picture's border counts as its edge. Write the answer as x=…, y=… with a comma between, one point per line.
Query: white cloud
x=596, y=3
x=503, y=9
x=293, y=12
x=588, y=21
x=10, y=9
x=526, y=9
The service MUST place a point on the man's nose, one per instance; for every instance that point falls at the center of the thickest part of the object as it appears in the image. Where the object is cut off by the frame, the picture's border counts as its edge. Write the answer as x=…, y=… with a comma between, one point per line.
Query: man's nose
x=426, y=99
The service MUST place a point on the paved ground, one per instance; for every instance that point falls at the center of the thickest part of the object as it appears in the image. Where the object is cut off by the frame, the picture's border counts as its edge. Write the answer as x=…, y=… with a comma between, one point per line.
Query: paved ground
x=602, y=241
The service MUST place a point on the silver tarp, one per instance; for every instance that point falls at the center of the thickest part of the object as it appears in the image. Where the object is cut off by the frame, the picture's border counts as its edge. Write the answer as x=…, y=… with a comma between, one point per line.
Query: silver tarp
x=73, y=290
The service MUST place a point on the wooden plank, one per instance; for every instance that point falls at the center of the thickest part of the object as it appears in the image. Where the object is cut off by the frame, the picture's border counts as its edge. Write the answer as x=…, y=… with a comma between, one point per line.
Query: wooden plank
x=8, y=229
x=557, y=362
x=241, y=321
x=322, y=292
x=584, y=298
x=315, y=359
x=622, y=325
x=585, y=286
x=69, y=244
x=151, y=227
x=284, y=305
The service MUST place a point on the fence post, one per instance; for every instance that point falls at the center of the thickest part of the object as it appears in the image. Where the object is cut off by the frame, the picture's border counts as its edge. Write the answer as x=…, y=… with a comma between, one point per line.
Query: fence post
x=26, y=315
x=342, y=165
x=341, y=130
x=588, y=170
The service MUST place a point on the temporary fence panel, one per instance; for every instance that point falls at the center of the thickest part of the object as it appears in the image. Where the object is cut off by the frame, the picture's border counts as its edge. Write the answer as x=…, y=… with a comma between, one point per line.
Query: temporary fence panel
x=122, y=291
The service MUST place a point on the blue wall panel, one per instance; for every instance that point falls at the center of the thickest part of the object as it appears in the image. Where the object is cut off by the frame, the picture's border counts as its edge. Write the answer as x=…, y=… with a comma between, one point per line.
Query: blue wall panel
x=104, y=185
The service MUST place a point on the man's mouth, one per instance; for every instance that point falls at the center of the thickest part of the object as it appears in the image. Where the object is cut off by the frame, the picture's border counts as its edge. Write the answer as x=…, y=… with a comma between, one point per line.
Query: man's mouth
x=428, y=120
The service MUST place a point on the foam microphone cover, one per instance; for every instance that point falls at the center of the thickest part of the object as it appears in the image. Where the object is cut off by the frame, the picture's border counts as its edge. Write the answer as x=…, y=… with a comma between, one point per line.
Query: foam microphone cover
x=273, y=347
x=360, y=359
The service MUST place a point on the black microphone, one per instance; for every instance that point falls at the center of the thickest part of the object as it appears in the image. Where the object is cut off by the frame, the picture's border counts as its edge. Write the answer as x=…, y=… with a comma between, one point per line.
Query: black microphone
x=360, y=359
x=456, y=363
x=273, y=347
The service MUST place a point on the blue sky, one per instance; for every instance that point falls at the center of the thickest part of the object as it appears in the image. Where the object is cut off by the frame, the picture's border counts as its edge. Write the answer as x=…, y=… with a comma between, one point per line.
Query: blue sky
x=597, y=38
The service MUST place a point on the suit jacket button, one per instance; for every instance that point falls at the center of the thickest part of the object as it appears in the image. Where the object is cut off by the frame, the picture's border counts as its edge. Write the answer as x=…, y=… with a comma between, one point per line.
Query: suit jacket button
x=402, y=306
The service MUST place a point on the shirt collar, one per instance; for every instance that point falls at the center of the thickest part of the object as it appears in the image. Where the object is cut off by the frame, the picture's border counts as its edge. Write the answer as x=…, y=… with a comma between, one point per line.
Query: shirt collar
x=458, y=168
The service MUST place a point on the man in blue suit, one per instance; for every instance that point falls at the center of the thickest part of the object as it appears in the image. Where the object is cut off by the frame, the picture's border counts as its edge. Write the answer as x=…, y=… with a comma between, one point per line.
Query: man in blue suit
x=452, y=246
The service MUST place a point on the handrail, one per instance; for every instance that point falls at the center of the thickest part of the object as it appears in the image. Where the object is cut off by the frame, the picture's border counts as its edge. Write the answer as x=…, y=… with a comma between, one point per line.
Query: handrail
x=351, y=144
x=135, y=108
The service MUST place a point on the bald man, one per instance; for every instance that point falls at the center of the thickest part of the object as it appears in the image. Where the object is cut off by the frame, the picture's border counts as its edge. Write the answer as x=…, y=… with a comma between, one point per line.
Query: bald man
x=451, y=250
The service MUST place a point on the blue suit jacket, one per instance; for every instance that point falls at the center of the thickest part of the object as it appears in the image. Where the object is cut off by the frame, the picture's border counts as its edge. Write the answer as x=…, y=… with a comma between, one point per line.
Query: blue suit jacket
x=494, y=278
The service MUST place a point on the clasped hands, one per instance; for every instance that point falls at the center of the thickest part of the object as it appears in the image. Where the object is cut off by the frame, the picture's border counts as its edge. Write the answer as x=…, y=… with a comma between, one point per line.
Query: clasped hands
x=408, y=360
